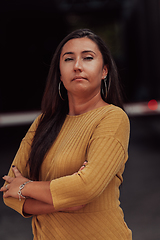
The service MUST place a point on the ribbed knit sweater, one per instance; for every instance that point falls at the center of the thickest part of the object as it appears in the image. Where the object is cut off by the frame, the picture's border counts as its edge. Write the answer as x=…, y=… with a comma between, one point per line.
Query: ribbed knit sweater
x=101, y=137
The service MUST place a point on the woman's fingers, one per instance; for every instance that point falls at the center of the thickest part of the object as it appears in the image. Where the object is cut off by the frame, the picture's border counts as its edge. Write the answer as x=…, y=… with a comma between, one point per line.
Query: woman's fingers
x=16, y=172
x=8, y=179
x=83, y=166
x=7, y=186
x=4, y=188
x=13, y=184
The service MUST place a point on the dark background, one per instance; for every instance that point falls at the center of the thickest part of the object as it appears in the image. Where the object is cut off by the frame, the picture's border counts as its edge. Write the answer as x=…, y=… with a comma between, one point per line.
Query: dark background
x=29, y=34
x=31, y=30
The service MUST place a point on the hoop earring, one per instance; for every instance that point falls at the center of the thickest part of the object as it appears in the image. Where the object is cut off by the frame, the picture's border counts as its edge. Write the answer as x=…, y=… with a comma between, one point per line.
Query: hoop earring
x=59, y=90
x=104, y=88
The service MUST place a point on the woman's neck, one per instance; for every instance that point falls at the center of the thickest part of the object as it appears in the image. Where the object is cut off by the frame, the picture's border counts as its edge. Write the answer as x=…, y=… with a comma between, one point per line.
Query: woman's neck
x=79, y=106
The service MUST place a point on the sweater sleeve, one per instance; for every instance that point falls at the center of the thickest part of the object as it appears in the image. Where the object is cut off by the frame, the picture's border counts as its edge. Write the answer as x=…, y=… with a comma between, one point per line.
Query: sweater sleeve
x=20, y=161
x=107, y=153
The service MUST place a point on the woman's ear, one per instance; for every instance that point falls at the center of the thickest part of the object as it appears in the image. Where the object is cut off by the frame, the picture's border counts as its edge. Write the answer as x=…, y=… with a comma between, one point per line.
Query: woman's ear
x=105, y=71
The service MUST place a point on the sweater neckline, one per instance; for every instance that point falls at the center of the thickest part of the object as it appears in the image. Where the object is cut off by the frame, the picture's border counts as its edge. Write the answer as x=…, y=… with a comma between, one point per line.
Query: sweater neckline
x=90, y=111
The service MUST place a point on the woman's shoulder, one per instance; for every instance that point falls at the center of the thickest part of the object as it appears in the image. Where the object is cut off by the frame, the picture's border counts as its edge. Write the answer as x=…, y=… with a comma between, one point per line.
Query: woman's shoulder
x=35, y=123
x=114, y=112
x=114, y=123
x=32, y=129
x=113, y=119
x=108, y=115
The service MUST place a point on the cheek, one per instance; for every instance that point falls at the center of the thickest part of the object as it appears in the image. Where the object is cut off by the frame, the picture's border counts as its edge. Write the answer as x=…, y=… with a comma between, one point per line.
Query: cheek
x=64, y=76
x=97, y=73
x=62, y=71
x=64, y=68
x=96, y=70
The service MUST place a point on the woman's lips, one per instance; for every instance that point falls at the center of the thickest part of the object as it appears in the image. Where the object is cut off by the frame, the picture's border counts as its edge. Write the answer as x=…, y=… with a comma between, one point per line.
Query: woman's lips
x=79, y=78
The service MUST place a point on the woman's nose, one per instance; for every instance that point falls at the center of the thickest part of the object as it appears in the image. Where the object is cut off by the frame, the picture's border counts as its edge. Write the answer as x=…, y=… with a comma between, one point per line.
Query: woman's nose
x=78, y=65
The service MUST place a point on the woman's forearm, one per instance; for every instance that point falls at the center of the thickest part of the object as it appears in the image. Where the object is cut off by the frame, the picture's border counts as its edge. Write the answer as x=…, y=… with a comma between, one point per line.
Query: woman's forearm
x=38, y=190
x=19, y=187
x=35, y=207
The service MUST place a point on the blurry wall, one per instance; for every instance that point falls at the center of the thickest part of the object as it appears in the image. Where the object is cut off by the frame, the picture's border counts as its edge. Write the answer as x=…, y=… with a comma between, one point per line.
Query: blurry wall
x=142, y=48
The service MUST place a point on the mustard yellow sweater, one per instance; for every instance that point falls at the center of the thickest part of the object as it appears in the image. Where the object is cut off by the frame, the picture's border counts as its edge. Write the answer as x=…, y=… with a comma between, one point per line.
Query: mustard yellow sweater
x=101, y=137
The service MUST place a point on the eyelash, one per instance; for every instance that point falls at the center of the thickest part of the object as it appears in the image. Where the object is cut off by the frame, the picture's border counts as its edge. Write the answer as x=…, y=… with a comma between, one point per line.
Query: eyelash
x=88, y=58
x=85, y=58
x=68, y=59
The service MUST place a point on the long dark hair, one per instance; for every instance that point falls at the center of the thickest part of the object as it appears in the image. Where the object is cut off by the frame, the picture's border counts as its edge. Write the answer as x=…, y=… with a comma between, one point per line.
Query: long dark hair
x=54, y=109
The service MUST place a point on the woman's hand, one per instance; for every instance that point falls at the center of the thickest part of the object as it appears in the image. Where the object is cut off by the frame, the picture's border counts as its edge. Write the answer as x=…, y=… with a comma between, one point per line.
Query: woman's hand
x=35, y=204
x=12, y=188
x=81, y=168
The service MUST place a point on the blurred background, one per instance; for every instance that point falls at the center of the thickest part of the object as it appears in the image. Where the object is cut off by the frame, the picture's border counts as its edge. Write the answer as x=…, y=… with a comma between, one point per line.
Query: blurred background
x=30, y=31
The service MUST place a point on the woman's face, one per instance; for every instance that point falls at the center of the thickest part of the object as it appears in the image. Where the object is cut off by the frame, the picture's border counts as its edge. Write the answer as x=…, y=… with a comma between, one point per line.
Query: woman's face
x=81, y=67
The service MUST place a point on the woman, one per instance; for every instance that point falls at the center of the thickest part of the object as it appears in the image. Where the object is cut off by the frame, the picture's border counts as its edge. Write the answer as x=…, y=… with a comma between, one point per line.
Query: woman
x=69, y=166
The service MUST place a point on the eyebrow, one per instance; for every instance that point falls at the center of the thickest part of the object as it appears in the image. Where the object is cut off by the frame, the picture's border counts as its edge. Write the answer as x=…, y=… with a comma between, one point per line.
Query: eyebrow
x=86, y=51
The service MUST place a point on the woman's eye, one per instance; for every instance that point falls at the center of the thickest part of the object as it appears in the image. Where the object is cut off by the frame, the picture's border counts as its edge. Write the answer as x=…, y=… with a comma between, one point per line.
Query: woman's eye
x=88, y=58
x=68, y=59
